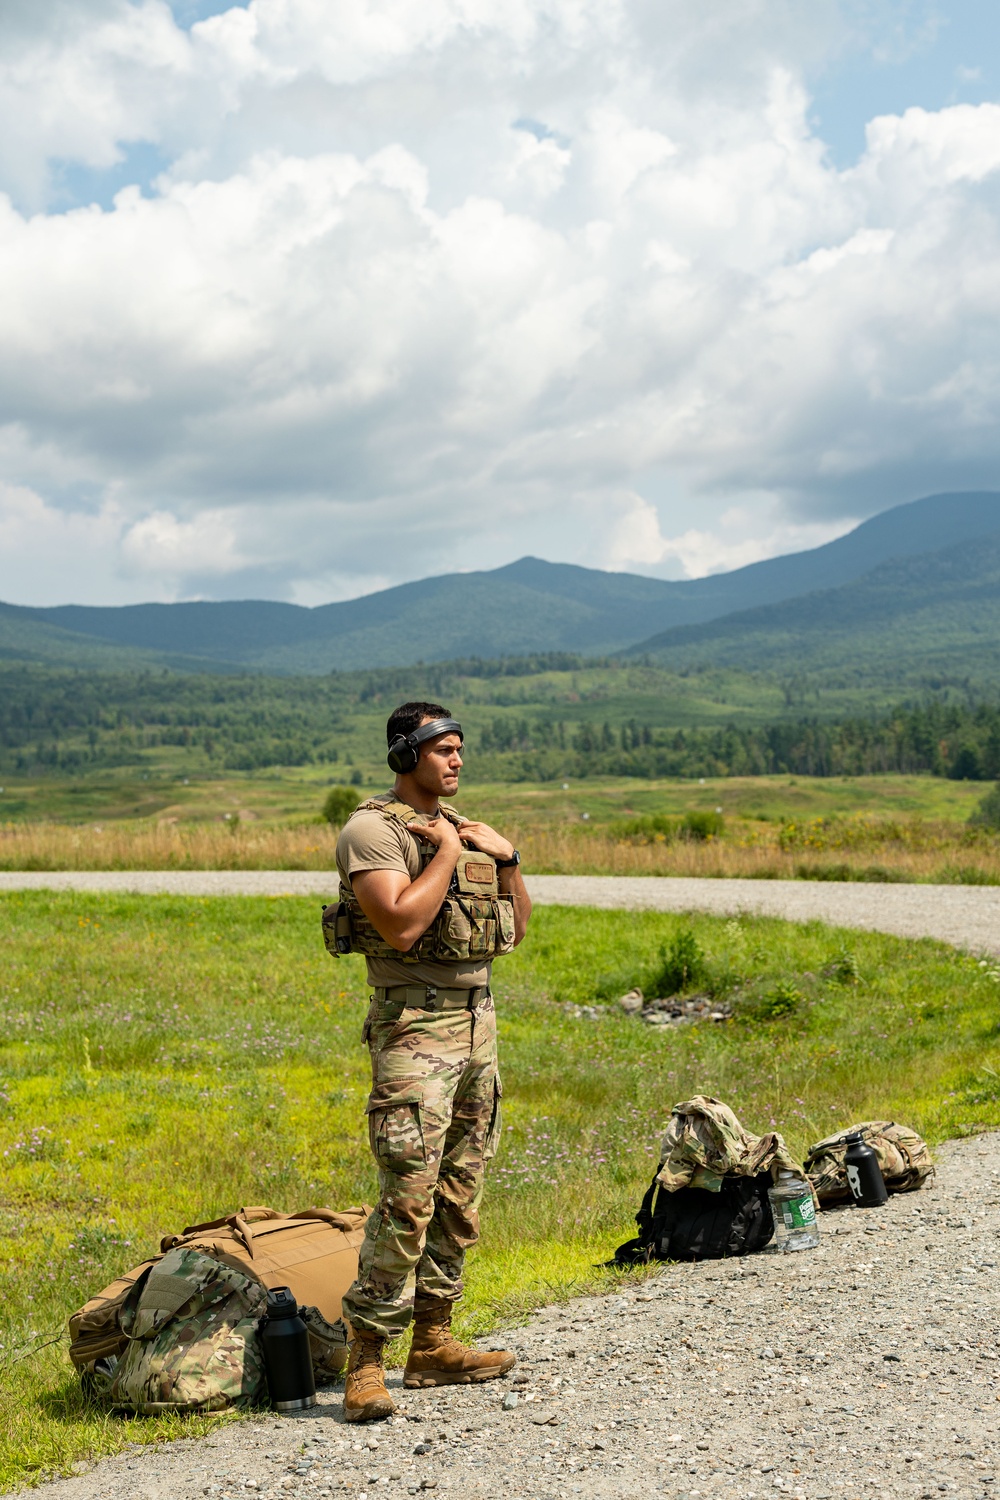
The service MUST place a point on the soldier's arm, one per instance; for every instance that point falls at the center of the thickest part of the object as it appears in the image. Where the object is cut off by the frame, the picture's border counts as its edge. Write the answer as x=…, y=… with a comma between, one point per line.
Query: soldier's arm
x=512, y=885
x=400, y=909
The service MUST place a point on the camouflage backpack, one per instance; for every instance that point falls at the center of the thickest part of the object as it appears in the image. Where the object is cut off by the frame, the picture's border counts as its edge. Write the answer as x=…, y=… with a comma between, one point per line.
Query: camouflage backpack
x=708, y=1197
x=178, y=1333
x=902, y=1155
x=191, y=1325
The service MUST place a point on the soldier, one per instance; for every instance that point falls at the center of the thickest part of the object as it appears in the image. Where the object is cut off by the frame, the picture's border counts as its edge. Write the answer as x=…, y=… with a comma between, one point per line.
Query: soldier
x=430, y=898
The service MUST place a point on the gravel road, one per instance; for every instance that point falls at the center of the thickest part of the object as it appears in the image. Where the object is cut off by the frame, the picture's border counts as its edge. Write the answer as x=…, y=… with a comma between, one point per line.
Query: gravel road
x=863, y=1370
x=968, y=916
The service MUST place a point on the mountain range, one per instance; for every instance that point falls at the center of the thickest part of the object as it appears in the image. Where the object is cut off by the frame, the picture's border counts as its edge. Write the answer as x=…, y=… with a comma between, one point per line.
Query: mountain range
x=919, y=582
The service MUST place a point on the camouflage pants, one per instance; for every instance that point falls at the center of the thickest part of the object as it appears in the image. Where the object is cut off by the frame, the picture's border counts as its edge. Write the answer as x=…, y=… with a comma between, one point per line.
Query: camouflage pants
x=434, y=1123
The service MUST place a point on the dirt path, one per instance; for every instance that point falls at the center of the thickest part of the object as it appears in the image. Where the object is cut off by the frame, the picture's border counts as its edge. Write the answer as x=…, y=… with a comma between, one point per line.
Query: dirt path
x=968, y=916
x=864, y=1370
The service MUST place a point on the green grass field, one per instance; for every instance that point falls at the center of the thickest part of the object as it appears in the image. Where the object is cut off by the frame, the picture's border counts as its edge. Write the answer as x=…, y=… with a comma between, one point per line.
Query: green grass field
x=167, y=1060
x=290, y=795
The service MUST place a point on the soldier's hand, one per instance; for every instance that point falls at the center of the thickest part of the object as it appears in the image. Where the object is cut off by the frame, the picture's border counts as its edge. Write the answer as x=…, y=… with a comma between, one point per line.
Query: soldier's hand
x=486, y=839
x=442, y=833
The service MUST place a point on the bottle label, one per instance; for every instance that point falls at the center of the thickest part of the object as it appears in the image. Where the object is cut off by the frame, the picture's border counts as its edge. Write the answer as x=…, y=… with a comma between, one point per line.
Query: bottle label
x=799, y=1213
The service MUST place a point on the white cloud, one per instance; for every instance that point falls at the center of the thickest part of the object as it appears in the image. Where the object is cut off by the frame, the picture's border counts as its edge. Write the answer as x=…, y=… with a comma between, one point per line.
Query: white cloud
x=431, y=283
x=742, y=535
x=64, y=557
x=161, y=545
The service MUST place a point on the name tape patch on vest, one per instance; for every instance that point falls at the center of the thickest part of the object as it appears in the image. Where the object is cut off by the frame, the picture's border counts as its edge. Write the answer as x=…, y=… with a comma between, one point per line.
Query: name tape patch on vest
x=479, y=874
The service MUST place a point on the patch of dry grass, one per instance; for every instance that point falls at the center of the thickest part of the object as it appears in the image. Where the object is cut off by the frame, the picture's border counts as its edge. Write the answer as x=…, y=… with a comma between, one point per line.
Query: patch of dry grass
x=167, y=845
x=895, y=849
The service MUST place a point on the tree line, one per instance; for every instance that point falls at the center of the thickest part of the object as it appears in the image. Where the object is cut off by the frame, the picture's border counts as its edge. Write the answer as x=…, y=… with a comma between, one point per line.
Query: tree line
x=940, y=739
x=67, y=722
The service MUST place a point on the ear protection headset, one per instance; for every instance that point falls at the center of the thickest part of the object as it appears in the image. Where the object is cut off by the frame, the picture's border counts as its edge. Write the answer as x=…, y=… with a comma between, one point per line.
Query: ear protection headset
x=404, y=752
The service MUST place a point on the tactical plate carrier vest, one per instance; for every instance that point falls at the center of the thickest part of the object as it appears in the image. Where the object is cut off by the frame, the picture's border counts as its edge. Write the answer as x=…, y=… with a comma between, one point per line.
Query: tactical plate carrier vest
x=475, y=921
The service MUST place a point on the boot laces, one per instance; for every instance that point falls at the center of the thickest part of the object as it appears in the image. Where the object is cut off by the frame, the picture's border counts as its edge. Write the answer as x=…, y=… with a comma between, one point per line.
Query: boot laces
x=436, y=1334
x=369, y=1369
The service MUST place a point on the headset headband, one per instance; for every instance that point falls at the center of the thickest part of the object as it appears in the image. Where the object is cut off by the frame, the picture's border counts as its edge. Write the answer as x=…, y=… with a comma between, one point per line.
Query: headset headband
x=433, y=729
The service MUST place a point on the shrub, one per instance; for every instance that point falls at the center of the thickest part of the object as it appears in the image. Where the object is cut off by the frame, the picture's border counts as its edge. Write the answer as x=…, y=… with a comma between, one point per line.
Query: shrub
x=986, y=814
x=967, y=875
x=873, y=874
x=782, y=1000
x=966, y=766
x=340, y=803
x=844, y=968
x=703, y=825
x=681, y=964
x=651, y=828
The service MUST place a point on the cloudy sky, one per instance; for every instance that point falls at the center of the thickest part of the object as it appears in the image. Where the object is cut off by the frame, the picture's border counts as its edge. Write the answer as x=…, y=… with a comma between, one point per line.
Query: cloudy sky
x=301, y=298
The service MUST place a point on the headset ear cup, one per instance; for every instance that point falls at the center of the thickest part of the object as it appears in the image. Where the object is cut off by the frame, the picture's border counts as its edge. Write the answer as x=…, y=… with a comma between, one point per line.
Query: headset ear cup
x=402, y=756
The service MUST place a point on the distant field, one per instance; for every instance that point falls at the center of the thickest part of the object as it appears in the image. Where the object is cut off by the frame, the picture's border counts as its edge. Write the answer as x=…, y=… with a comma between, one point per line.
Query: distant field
x=165, y=1060
x=289, y=795
x=779, y=827
x=536, y=719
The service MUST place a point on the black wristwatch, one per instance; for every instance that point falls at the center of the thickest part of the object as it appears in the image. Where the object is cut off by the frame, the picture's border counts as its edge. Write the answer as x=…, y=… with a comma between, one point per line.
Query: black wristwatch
x=505, y=864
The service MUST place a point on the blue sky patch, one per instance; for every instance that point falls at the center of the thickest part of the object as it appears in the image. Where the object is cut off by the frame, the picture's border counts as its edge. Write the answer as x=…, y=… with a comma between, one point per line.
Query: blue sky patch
x=920, y=54
x=187, y=12
x=75, y=185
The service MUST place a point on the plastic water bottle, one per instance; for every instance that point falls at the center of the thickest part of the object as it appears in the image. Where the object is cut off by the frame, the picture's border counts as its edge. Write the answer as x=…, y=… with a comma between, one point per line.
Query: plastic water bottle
x=284, y=1340
x=864, y=1175
x=794, y=1211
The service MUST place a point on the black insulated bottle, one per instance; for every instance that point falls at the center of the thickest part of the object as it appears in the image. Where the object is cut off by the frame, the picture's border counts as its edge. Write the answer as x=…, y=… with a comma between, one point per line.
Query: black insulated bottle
x=284, y=1339
x=864, y=1175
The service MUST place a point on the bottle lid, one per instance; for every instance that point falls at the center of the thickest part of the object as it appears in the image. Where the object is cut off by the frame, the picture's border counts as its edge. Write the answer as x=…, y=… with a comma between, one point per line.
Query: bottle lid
x=281, y=1303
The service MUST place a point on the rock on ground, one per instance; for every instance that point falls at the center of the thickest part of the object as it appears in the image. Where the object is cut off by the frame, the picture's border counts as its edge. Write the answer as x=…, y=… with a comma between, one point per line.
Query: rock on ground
x=863, y=1370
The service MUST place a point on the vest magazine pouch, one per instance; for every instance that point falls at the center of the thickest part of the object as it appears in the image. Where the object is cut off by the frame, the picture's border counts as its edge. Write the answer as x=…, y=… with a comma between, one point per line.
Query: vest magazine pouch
x=456, y=932
x=466, y=927
x=505, y=924
x=337, y=932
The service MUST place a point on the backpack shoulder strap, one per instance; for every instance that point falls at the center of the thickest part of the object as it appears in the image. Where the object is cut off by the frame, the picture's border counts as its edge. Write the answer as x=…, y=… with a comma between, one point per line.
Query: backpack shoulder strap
x=644, y=1218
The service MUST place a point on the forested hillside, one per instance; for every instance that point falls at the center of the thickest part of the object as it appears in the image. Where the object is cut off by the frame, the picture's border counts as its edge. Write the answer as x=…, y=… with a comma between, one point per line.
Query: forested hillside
x=905, y=623
x=542, y=718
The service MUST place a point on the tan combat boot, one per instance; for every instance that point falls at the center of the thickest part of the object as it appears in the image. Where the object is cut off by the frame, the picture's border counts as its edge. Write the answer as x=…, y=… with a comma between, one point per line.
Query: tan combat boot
x=437, y=1357
x=365, y=1396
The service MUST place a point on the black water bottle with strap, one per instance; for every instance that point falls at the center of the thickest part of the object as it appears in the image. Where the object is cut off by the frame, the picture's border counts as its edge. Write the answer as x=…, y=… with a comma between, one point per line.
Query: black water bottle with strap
x=284, y=1340
x=864, y=1175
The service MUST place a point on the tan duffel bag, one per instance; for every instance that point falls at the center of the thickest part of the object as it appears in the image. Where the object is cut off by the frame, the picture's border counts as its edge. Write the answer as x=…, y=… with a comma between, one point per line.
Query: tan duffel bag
x=313, y=1251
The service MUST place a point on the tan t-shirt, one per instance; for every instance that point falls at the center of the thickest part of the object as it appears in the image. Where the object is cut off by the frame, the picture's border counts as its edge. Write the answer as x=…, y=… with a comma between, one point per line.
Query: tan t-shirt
x=371, y=841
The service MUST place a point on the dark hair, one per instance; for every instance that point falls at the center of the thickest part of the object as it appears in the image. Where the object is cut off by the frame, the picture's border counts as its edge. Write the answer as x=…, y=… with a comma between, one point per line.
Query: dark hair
x=409, y=716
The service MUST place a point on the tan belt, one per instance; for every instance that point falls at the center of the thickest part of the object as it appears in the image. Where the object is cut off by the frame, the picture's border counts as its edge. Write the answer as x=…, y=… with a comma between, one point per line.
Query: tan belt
x=432, y=997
